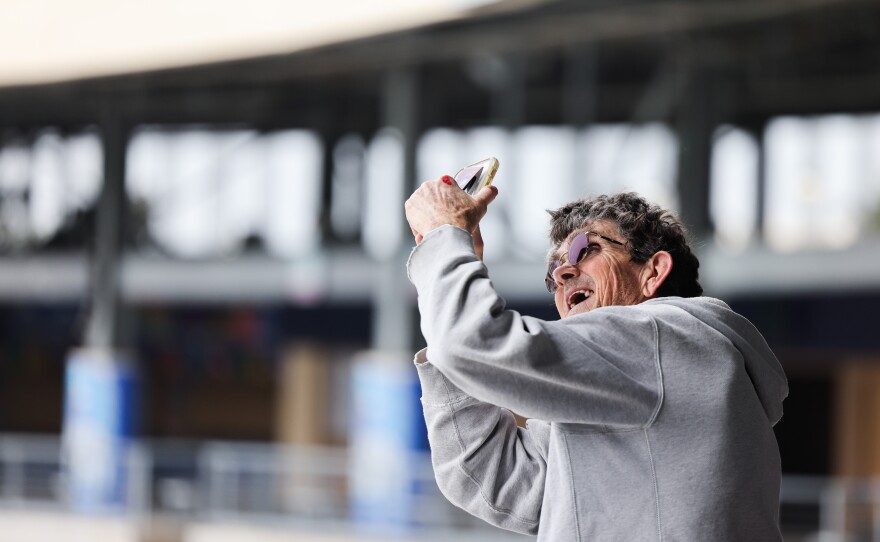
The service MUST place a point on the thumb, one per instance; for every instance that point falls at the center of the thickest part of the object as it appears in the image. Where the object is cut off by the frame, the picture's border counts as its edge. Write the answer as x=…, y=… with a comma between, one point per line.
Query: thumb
x=487, y=195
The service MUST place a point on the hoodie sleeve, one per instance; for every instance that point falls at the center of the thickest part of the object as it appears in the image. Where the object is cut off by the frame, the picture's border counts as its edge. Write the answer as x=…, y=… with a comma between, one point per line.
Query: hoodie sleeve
x=598, y=368
x=483, y=462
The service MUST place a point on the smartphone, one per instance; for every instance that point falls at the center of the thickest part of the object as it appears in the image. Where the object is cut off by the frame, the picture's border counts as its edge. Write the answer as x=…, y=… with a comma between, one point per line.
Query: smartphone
x=475, y=177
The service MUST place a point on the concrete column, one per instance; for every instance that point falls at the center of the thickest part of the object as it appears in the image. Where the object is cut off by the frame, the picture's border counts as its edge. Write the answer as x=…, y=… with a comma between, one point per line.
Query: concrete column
x=101, y=382
x=103, y=327
x=696, y=123
x=579, y=93
x=384, y=384
x=508, y=107
x=393, y=314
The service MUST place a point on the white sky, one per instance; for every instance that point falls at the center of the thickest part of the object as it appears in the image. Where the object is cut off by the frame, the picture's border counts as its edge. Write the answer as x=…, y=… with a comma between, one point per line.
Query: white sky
x=52, y=40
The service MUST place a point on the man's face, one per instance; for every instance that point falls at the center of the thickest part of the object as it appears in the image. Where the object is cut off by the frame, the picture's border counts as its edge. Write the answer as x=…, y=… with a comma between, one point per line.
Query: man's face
x=606, y=275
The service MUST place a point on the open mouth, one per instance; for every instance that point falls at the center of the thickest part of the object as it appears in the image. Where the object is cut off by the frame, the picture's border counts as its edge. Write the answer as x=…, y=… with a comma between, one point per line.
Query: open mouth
x=578, y=297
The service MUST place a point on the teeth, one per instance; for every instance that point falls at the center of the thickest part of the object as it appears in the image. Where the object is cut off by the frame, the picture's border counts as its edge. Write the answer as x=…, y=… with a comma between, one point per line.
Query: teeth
x=578, y=297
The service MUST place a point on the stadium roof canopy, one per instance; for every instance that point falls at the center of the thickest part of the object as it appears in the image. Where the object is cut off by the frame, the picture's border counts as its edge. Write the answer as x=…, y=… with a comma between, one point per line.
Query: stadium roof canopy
x=327, y=63
x=54, y=40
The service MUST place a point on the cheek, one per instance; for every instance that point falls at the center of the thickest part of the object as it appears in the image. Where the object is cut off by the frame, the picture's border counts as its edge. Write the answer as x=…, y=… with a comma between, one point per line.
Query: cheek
x=612, y=284
x=560, y=306
x=604, y=275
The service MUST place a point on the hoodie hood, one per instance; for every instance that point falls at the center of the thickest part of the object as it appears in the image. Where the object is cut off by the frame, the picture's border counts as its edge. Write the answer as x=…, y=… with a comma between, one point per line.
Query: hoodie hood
x=764, y=370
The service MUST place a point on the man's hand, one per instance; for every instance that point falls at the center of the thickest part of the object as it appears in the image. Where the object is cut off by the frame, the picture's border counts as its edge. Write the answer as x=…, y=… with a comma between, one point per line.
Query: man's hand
x=442, y=201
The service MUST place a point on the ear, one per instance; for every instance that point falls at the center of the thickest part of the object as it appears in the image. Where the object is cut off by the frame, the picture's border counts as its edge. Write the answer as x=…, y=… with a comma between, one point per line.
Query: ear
x=654, y=272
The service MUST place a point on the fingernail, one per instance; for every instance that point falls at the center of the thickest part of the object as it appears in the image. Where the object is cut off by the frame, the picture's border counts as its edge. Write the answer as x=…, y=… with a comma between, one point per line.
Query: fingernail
x=446, y=179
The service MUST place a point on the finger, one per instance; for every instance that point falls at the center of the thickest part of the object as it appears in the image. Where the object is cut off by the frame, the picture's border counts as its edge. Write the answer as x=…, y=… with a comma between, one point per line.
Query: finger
x=449, y=180
x=487, y=195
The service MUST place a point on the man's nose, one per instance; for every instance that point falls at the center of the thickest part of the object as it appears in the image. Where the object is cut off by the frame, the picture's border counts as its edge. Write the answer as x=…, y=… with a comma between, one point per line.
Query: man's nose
x=564, y=272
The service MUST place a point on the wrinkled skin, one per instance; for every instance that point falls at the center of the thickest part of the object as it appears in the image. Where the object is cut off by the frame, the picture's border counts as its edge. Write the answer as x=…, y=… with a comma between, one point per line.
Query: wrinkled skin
x=440, y=202
x=607, y=274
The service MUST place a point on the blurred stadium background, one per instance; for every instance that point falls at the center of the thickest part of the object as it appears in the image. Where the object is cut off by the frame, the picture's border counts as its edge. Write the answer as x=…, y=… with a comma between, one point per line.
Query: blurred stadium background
x=205, y=319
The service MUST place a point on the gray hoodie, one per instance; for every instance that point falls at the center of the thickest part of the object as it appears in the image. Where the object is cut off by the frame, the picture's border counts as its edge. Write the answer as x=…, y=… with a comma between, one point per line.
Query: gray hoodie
x=647, y=422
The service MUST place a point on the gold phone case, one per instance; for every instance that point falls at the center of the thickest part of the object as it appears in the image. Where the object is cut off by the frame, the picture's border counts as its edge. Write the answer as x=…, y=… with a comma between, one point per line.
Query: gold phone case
x=476, y=176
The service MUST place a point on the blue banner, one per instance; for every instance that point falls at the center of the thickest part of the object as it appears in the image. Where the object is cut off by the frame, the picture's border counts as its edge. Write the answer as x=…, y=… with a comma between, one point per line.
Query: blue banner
x=101, y=389
x=388, y=438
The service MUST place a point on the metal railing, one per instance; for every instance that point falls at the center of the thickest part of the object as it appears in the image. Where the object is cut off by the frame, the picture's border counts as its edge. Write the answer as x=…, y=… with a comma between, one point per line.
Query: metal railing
x=30, y=471
x=205, y=480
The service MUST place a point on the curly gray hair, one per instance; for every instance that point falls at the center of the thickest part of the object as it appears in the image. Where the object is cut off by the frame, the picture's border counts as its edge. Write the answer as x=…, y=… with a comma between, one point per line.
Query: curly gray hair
x=646, y=228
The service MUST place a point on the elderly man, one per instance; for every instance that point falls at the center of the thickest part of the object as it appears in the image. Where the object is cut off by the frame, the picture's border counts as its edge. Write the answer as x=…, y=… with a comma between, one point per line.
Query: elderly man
x=650, y=408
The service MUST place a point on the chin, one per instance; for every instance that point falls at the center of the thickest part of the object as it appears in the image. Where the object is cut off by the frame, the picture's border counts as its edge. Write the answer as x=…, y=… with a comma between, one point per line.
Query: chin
x=579, y=309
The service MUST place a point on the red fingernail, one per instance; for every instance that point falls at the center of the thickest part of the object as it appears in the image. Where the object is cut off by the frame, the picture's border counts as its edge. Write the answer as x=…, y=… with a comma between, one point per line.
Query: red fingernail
x=446, y=179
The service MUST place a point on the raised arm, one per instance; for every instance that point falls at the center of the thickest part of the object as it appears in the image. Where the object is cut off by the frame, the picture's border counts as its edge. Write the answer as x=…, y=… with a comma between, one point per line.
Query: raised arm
x=482, y=461
x=598, y=368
